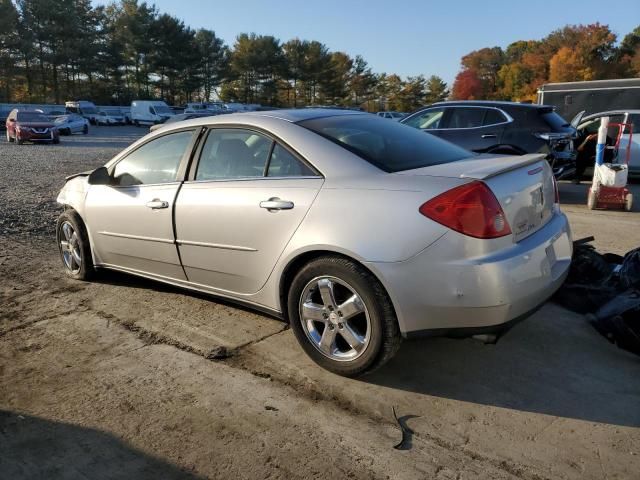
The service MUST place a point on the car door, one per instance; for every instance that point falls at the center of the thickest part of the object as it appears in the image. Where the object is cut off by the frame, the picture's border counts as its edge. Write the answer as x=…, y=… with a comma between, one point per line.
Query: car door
x=474, y=128
x=246, y=196
x=130, y=220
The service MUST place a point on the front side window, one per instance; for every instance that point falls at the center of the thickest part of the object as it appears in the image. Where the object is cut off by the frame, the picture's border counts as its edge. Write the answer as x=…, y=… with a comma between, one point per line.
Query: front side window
x=465, y=117
x=233, y=153
x=427, y=120
x=390, y=146
x=155, y=162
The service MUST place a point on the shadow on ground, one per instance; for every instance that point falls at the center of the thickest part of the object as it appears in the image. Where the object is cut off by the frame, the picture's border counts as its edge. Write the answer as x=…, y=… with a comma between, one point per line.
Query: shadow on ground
x=553, y=363
x=33, y=447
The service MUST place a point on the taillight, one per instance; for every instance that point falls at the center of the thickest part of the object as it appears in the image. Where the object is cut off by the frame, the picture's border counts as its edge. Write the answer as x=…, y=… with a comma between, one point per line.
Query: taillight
x=556, y=192
x=471, y=209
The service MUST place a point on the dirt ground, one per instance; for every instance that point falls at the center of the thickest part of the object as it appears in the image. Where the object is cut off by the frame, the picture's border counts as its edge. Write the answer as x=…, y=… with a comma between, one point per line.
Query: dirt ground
x=125, y=378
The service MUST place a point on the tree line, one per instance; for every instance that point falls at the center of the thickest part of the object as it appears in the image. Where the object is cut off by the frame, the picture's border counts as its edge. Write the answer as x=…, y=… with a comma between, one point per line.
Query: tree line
x=572, y=53
x=57, y=50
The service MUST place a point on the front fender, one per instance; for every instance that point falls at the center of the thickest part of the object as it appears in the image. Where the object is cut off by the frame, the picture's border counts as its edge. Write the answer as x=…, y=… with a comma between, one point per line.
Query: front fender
x=73, y=193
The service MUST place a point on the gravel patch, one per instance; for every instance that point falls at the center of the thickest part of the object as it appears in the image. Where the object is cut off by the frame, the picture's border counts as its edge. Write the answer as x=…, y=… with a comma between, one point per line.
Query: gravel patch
x=31, y=175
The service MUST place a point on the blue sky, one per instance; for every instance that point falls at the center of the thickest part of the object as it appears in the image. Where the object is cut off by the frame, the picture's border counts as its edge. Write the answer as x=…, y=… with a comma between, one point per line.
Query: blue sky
x=407, y=37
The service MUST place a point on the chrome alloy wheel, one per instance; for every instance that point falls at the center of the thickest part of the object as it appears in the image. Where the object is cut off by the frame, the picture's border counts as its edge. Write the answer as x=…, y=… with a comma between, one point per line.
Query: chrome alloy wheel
x=334, y=318
x=70, y=248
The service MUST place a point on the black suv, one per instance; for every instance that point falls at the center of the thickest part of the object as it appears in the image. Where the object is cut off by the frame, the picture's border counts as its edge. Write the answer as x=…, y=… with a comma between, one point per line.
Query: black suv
x=502, y=127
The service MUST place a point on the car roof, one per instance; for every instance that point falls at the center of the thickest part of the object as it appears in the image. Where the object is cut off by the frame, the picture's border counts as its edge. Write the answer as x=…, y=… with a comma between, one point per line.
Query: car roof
x=489, y=103
x=300, y=114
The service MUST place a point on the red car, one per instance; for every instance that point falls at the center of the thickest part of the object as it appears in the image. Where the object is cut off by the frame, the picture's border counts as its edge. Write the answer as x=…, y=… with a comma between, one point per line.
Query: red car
x=30, y=126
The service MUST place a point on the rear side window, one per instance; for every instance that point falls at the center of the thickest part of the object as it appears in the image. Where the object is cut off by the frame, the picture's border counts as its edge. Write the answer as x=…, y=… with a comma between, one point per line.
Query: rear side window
x=463, y=117
x=390, y=146
x=493, y=117
x=284, y=164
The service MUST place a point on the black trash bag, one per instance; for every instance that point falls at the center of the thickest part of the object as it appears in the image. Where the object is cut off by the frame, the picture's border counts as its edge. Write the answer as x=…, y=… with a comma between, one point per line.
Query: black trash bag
x=629, y=273
x=589, y=283
x=619, y=320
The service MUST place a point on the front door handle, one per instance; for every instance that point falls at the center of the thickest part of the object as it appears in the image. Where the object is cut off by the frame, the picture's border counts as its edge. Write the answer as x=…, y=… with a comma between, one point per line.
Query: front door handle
x=156, y=204
x=489, y=135
x=276, y=204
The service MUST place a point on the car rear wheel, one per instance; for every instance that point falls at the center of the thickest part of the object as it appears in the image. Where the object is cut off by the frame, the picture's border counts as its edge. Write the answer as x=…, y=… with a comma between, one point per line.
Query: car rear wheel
x=342, y=316
x=73, y=244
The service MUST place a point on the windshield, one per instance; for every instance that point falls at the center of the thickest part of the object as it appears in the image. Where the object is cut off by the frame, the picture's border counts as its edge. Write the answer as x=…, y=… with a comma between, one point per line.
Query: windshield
x=89, y=109
x=390, y=146
x=32, y=117
x=162, y=109
x=62, y=119
x=112, y=111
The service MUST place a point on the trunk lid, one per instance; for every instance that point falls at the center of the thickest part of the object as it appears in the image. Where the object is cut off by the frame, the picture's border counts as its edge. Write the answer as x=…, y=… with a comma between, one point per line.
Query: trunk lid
x=522, y=184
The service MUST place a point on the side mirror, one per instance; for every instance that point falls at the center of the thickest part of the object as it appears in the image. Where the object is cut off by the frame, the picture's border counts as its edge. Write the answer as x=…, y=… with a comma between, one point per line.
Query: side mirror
x=100, y=176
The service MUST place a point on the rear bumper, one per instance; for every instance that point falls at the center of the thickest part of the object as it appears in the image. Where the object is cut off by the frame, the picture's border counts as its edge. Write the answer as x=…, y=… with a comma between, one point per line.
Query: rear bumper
x=442, y=290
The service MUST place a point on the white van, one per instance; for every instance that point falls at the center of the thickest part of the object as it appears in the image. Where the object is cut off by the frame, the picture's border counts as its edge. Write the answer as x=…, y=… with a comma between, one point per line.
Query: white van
x=84, y=108
x=150, y=112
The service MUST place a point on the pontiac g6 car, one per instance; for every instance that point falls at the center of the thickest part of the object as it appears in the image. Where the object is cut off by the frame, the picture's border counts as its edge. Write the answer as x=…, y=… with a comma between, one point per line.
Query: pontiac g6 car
x=356, y=230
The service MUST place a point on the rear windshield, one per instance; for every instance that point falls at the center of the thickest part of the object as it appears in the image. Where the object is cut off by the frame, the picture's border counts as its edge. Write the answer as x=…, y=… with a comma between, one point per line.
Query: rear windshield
x=556, y=122
x=32, y=117
x=390, y=146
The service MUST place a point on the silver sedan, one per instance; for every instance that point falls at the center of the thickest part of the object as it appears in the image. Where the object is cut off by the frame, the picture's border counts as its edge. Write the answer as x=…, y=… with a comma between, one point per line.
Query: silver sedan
x=356, y=230
x=71, y=123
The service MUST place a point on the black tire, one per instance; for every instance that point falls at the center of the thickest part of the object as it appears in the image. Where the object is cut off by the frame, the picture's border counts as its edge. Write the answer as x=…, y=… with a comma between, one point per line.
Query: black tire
x=384, y=337
x=65, y=131
x=19, y=141
x=628, y=202
x=86, y=270
x=85, y=130
x=56, y=141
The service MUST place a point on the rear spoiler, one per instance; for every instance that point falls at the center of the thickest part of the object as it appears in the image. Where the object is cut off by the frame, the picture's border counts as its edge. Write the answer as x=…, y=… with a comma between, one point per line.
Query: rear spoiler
x=508, y=163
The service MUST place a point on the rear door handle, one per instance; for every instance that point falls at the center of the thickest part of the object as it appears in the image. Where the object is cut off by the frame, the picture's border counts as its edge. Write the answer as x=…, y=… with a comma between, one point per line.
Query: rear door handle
x=156, y=204
x=276, y=204
x=489, y=135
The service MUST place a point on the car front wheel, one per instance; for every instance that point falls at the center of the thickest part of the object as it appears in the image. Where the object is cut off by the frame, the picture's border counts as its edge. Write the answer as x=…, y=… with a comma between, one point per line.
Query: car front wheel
x=73, y=244
x=342, y=316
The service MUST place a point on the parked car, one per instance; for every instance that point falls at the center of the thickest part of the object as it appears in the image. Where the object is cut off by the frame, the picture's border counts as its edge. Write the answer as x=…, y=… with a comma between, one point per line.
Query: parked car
x=502, y=127
x=4, y=113
x=587, y=127
x=150, y=112
x=203, y=107
x=356, y=230
x=110, y=116
x=181, y=118
x=84, y=108
x=30, y=126
x=126, y=113
x=392, y=115
x=71, y=123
